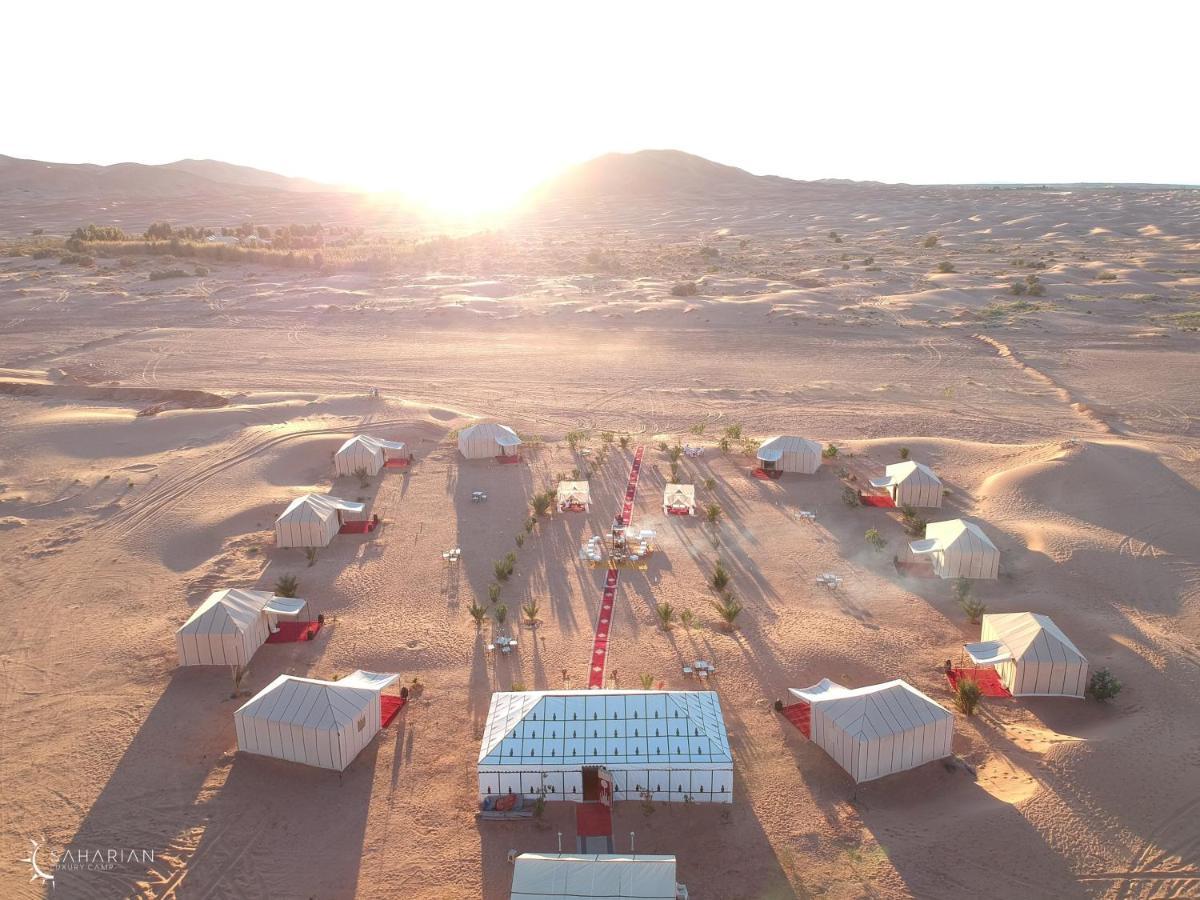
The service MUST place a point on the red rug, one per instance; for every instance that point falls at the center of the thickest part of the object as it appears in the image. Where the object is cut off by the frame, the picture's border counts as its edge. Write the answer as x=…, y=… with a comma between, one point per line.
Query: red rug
x=678, y=512
x=883, y=501
x=800, y=715
x=389, y=707
x=987, y=679
x=599, y=658
x=290, y=632
x=764, y=475
x=593, y=820
x=365, y=527
x=396, y=464
x=917, y=568
x=572, y=507
x=508, y=460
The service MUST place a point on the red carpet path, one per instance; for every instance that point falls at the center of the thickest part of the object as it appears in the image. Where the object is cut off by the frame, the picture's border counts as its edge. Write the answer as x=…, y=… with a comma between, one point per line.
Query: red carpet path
x=987, y=679
x=600, y=645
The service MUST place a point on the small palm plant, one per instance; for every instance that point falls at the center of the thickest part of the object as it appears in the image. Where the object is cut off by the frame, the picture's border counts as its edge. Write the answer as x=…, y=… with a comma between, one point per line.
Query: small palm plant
x=493, y=592
x=686, y=618
x=286, y=586
x=477, y=613
x=712, y=513
x=531, y=610
x=967, y=695
x=541, y=503
x=501, y=613
x=720, y=576
x=310, y=554
x=647, y=681
x=875, y=539
x=710, y=484
x=666, y=615
x=728, y=608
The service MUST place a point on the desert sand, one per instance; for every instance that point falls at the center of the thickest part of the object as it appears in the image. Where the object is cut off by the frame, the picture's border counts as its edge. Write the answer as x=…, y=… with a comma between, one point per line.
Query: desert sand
x=1066, y=424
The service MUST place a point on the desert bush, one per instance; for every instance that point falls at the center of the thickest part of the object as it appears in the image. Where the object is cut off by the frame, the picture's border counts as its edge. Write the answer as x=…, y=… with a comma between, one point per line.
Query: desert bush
x=686, y=618
x=361, y=474
x=541, y=502
x=477, y=613
x=962, y=590
x=712, y=513
x=930, y=241
x=720, y=576
x=493, y=592
x=503, y=568
x=520, y=539
x=310, y=554
x=875, y=539
x=201, y=271
x=830, y=452
x=623, y=440
x=850, y=496
x=531, y=610
x=946, y=267
x=666, y=615
x=697, y=428
x=607, y=437
x=684, y=289
x=733, y=432
x=1017, y=288
x=501, y=613
x=646, y=681
x=44, y=253
x=904, y=453
x=710, y=484
x=1106, y=276
x=1037, y=289
x=728, y=608
x=1103, y=685
x=913, y=523
x=967, y=695
x=974, y=609
x=835, y=237
x=286, y=585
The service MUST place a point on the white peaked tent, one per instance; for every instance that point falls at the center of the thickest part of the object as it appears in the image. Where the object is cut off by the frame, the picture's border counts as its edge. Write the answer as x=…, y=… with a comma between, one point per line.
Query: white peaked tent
x=958, y=549
x=670, y=743
x=565, y=876
x=788, y=453
x=680, y=499
x=230, y=625
x=487, y=439
x=879, y=729
x=312, y=520
x=911, y=484
x=318, y=723
x=365, y=452
x=1031, y=655
x=573, y=494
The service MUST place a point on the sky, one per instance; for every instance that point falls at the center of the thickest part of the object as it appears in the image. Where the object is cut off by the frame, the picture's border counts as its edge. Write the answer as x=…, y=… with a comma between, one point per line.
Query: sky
x=467, y=105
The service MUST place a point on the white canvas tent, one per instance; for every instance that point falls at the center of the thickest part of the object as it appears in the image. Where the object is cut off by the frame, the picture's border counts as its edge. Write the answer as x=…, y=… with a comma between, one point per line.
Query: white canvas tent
x=876, y=730
x=958, y=549
x=679, y=499
x=367, y=453
x=318, y=723
x=230, y=625
x=565, y=876
x=911, y=484
x=574, y=494
x=487, y=439
x=788, y=453
x=1031, y=655
x=312, y=520
x=670, y=743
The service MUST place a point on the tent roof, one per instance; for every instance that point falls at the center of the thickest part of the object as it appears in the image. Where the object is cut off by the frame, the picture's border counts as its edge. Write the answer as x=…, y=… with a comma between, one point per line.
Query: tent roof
x=501, y=434
x=896, y=473
x=770, y=454
x=321, y=705
x=321, y=505
x=950, y=532
x=787, y=443
x=680, y=493
x=987, y=653
x=1029, y=635
x=691, y=721
x=571, y=489
x=373, y=681
x=874, y=711
x=538, y=876
x=371, y=443
x=228, y=611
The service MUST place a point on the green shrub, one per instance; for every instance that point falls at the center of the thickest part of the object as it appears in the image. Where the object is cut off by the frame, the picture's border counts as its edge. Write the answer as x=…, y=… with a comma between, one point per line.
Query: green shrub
x=531, y=610
x=1017, y=288
x=967, y=695
x=493, y=592
x=501, y=613
x=720, y=576
x=930, y=241
x=946, y=267
x=666, y=615
x=684, y=289
x=712, y=513
x=875, y=539
x=477, y=613
x=728, y=608
x=286, y=586
x=830, y=452
x=974, y=608
x=850, y=496
x=904, y=453
x=1103, y=685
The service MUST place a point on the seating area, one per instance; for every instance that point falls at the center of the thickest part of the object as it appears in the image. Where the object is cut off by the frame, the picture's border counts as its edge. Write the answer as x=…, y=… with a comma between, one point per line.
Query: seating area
x=700, y=669
x=454, y=554
x=830, y=580
x=505, y=645
x=478, y=496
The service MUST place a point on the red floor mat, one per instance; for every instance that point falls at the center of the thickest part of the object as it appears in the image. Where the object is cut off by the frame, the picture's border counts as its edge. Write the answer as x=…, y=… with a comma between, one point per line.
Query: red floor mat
x=396, y=464
x=987, y=679
x=290, y=632
x=357, y=527
x=678, y=512
x=883, y=501
x=800, y=715
x=508, y=460
x=593, y=820
x=917, y=568
x=764, y=475
x=389, y=707
x=599, y=658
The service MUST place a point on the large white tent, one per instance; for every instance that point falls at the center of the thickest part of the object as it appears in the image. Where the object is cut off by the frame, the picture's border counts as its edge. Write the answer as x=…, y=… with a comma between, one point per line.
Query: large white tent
x=565, y=876
x=312, y=520
x=787, y=453
x=911, y=483
x=1031, y=655
x=487, y=439
x=679, y=499
x=879, y=729
x=958, y=549
x=230, y=625
x=670, y=743
x=574, y=495
x=318, y=723
x=367, y=453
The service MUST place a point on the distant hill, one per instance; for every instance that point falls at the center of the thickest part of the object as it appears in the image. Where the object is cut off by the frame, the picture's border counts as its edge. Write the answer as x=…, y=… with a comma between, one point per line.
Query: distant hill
x=228, y=173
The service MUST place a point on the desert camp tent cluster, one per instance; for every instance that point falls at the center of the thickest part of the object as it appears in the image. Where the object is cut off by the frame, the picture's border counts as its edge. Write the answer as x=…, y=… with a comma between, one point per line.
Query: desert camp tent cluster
x=788, y=453
x=574, y=495
x=488, y=439
x=312, y=520
x=877, y=730
x=671, y=744
x=230, y=625
x=1031, y=655
x=679, y=499
x=318, y=723
x=366, y=454
x=911, y=483
x=958, y=549
x=560, y=876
